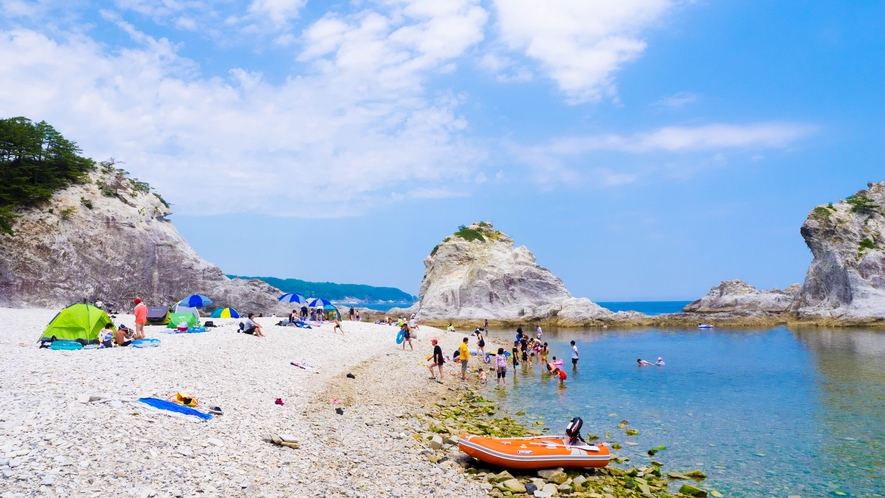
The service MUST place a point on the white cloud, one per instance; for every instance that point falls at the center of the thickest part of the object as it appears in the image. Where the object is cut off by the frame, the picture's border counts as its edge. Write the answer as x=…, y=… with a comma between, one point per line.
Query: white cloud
x=278, y=12
x=504, y=68
x=554, y=160
x=678, y=138
x=579, y=43
x=677, y=100
x=360, y=119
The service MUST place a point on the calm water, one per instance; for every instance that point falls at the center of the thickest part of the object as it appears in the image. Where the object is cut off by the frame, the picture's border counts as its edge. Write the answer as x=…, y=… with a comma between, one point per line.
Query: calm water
x=764, y=413
x=647, y=307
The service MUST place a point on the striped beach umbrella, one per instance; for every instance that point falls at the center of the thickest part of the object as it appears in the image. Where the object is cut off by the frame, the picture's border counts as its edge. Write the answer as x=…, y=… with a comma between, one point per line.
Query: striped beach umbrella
x=292, y=298
x=195, y=301
x=320, y=303
x=225, y=313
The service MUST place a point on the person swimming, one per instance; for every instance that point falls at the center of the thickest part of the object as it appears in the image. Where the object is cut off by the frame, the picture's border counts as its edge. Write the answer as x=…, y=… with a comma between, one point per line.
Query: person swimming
x=643, y=363
x=660, y=362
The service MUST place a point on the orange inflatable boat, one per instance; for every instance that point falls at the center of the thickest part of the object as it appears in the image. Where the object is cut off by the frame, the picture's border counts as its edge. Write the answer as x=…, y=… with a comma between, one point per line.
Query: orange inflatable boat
x=541, y=452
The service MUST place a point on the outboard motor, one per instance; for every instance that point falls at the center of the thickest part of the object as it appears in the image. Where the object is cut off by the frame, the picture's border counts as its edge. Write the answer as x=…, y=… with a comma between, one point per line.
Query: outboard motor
x=573, y=430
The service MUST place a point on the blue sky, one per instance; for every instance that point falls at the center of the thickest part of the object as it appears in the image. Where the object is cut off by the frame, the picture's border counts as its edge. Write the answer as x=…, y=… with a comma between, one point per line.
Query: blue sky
x=642, y=149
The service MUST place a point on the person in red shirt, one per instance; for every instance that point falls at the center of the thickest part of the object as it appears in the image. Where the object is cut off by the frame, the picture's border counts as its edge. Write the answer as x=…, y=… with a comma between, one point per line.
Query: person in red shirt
x=140, y=318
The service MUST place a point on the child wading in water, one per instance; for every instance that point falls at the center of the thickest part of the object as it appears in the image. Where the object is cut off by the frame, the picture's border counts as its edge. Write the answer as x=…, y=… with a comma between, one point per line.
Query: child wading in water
x=501, y=367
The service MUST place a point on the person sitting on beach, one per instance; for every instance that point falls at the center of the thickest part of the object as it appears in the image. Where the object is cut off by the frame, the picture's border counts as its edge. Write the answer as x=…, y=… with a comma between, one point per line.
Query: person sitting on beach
x=450, y=328
x=413, y=322
x=437, y=360
x=293, y=317
x=252, y=327
x=106, y=336
x=123, y=336
x=660, y=362
x=407, y=336
x=643, y=363
x=501, y=367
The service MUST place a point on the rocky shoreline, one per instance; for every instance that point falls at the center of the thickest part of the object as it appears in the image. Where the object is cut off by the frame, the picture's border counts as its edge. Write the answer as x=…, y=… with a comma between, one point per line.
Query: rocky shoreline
x=676, y=321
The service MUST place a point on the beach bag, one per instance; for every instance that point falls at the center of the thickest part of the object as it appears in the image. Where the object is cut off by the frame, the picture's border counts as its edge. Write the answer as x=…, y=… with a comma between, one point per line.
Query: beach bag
x=209, y=323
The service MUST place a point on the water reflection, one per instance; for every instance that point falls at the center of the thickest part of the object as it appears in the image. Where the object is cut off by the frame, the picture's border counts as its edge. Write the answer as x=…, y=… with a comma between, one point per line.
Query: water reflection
x=761, y=411
x=850, y=394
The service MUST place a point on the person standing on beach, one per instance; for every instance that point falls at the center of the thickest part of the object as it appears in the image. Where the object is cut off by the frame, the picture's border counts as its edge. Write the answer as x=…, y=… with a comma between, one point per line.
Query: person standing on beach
x=574, y=356
x=437, y=360
x=480, y=343
x=539, y=332
x=486, y=326
x=501, y=367
x=515, y=354
x=140, y=318
x=351, y=313
x=464, y=357
x=407, y=336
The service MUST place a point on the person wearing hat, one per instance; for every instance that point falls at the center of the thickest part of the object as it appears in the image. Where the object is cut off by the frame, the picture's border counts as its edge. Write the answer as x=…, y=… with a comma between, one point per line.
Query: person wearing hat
x=437, y=361
x=140, y=312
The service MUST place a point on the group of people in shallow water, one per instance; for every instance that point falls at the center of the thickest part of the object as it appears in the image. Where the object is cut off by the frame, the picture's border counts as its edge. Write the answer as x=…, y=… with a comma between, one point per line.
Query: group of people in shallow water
x=526, y=351
x=529, y=350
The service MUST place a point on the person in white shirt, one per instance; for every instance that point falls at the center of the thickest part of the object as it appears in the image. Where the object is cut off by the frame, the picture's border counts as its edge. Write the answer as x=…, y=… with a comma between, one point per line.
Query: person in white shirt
x=574, y=355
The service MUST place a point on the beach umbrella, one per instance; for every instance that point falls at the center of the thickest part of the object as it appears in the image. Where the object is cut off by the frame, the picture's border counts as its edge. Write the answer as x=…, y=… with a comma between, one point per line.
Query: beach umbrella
x=320, y=303
x=225, y=313
x=292, y=298
x=195, y=301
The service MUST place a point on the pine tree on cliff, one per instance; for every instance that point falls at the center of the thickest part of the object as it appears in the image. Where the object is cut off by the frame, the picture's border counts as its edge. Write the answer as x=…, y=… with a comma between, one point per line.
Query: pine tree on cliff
x=35, y=161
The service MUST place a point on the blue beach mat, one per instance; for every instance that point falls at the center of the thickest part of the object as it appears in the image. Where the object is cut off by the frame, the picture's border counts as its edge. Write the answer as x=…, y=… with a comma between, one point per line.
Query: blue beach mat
x=193, y=330
x=148, y=342
x=174, y=408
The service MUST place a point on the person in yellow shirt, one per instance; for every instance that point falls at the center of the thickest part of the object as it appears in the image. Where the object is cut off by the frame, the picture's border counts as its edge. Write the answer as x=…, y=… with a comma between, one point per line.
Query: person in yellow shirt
x=464, y=357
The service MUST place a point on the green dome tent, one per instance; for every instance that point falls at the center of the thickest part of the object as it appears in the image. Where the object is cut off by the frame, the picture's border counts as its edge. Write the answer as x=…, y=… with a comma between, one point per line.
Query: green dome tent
x=176, y=318
x=77, y=322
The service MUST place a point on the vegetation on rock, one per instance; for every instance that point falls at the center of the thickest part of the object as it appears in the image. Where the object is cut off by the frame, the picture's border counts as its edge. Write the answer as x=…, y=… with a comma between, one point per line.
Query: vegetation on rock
x=861, y=203
x=469, y=234
x=35, y=161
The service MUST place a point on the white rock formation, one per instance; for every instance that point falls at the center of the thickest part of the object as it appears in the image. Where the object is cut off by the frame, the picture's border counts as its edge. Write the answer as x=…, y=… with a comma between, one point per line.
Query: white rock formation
x=846, y=279
x=737, y=297
x=486, y=277
x=106, y=239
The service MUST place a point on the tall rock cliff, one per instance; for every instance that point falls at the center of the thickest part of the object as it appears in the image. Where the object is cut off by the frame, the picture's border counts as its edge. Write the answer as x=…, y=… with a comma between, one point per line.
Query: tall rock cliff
x=110, y=239
x=846, y=279
x=478, y=274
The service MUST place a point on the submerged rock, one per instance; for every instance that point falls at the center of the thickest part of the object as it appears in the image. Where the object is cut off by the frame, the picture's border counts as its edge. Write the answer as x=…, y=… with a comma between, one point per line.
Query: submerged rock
x=688, y=489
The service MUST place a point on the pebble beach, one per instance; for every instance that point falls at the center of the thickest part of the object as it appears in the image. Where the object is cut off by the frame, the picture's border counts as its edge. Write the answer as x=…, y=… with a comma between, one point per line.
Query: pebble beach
x=55, y=442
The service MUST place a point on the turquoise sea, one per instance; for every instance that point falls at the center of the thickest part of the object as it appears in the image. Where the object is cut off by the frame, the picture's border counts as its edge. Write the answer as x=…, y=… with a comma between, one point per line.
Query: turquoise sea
x=647, y=307
x=763, y=412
